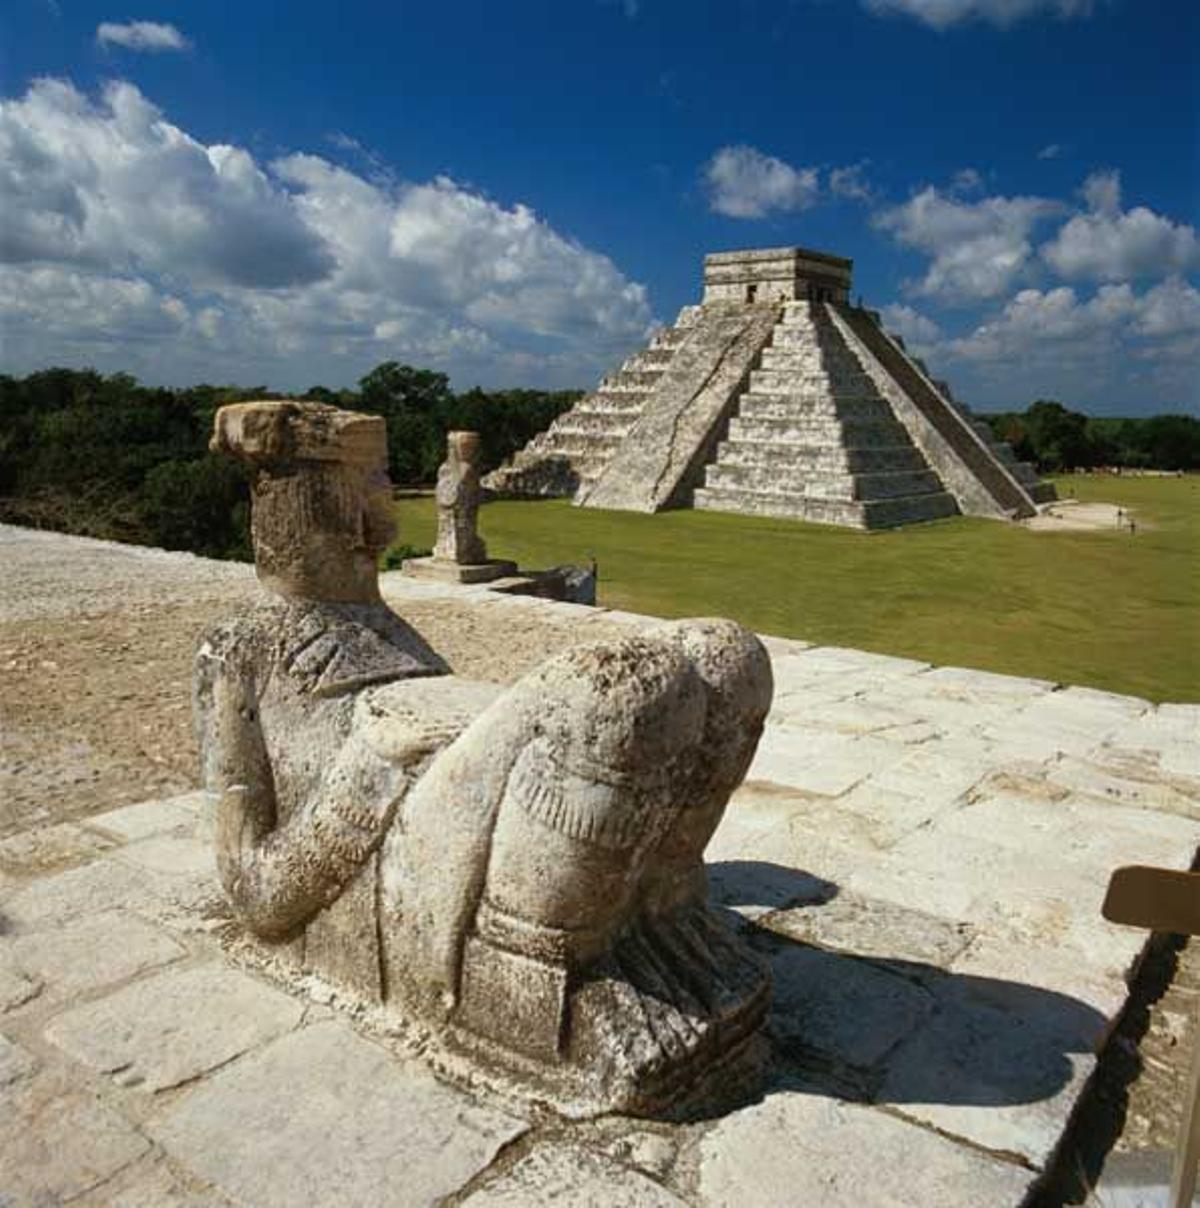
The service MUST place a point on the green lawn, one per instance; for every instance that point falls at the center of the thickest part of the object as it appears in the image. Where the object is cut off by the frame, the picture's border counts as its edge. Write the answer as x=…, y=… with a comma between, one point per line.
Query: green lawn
x=1107, y=609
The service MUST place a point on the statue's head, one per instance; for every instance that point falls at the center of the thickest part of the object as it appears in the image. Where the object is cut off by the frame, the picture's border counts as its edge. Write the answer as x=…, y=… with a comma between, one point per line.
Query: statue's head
x=463, y=447
x=322, y=500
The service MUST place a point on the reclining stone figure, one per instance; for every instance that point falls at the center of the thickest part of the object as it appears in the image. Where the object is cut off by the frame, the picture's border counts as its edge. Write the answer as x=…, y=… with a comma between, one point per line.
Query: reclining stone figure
x=519, y=869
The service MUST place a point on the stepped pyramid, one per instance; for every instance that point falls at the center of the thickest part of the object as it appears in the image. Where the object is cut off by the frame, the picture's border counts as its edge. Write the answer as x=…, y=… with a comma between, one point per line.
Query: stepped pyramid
x=776, y=397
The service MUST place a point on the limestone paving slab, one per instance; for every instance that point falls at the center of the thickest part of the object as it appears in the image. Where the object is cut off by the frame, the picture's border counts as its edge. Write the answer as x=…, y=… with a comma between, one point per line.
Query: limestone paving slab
x=165, y=1030
x=57, y=1143
x=999, y=1063
x=104, y=884
x=817, y=761
x=16, y=986
x=48, y=847
x=844, y=1012
x=1112, y=780
x=858, y=926
x=91, y=953
x=174, y=855
x=800, y=1149
x=15, y=1062
x=323, y=1116
x=575, y=1175
x=147, y=818
x=151, y=1183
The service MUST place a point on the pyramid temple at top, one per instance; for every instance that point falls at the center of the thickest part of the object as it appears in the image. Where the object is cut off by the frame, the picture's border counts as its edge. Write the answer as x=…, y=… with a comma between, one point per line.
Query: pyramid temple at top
x=776, y=397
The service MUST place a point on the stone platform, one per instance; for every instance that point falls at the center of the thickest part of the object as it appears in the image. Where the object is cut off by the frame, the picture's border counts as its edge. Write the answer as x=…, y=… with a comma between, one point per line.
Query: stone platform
x=921, y=852
x=442, y=570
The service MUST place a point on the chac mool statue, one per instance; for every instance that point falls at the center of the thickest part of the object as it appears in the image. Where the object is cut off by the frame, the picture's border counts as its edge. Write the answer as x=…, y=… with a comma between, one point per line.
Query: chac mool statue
x=519, y=868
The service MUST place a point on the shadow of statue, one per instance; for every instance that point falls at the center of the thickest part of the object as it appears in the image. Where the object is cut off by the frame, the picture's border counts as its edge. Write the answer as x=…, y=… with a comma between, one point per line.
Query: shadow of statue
x=873, y=1027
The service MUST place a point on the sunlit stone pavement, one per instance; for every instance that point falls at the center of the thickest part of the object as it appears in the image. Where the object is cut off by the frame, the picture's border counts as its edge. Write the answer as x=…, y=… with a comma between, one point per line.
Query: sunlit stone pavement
x=921, y=852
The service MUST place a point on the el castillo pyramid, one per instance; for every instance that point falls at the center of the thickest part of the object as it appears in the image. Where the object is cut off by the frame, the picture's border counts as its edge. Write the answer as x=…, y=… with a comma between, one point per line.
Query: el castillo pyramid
x=776, y=397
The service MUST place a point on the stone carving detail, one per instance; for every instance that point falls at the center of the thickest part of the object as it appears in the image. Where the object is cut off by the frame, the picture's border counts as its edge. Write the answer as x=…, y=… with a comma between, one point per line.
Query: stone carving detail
x=521, y=869
x=458, y=492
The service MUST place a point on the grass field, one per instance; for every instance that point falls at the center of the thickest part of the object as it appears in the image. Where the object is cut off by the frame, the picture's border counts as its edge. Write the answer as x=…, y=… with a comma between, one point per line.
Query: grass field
x=1105, y=609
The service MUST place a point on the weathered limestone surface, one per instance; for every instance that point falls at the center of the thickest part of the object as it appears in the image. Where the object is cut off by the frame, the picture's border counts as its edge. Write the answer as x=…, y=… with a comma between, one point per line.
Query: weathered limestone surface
x=658, y=463
x=572, y=453
x=808, y=1149
x=557, y=1174
x=947, y=891
x=102, y=950
x=814, y=439
x=323, y=1116
x=57, y=1143
x=151, y=1033
x=776, y=274
x=964, y=453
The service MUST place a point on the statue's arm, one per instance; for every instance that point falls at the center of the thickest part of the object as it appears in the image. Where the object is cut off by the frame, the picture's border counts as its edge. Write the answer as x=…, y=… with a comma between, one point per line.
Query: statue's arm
x=279, y=876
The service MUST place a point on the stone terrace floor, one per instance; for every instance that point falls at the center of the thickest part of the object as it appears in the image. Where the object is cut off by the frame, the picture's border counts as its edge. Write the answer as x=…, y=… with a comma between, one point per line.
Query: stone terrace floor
x=920, y=851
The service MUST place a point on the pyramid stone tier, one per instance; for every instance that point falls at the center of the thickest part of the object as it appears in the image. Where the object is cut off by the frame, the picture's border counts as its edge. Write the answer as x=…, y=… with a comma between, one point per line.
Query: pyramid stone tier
x=776, y=397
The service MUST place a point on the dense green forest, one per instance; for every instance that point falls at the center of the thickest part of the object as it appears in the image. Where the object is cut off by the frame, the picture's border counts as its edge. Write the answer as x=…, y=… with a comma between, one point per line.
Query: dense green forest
x=1055, y=438
x=107, y=457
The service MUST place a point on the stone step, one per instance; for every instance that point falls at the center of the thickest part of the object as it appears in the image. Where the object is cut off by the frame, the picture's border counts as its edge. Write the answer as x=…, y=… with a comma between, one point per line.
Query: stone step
x=819, y=484
x=853, y=432
x=804, y=360
x=875, y=514
x=816, y=406
x=600, y=423
x=573, y=442
x=1041, y=491
x=584, y=461
x=801, y=458
x=794, y=338
x=653, y=359
x=616, y=384
x=611, y=402
x=632, y=379
x=778, y=381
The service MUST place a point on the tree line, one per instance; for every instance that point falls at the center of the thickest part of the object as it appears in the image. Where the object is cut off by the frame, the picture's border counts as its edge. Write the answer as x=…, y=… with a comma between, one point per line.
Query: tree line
x=105, y=456
x=1054, y=439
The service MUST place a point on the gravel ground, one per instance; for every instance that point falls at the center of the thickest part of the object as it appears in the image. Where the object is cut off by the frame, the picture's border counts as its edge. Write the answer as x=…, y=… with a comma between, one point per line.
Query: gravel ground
x=96, y=643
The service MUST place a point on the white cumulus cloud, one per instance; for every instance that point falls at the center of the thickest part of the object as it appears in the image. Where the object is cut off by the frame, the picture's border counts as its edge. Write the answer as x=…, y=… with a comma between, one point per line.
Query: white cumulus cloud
x=942, y=14
x=851, y=183
x=140, y=35
x=1125, y=350
x=136, y=246
x=743, y=182
x=113, y=184
x=920, y=333
x=1111, y=244
x=978, y=248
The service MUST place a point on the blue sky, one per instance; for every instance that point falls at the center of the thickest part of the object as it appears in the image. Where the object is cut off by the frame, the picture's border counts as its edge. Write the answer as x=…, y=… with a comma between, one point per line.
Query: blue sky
x=516, y=193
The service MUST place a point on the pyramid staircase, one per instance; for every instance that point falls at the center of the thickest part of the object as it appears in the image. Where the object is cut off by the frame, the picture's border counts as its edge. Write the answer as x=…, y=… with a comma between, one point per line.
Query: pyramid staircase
x=574, y=451
x=1023, y=471
x=813, y=439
